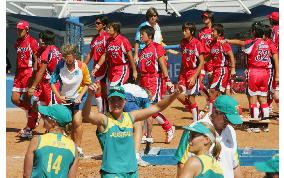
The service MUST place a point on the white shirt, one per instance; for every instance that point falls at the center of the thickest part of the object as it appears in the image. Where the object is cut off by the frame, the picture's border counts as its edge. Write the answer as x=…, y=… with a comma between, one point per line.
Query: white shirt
x=135, y=90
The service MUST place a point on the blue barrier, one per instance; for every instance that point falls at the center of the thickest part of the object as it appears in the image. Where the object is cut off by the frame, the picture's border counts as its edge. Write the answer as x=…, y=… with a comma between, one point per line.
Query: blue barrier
x=9, y=86
x=247, y=156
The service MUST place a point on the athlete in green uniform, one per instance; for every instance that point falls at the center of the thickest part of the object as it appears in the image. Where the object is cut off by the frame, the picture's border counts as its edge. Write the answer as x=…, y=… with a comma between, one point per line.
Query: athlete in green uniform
x=204, y=163
x=52, y=155
x=116, y=131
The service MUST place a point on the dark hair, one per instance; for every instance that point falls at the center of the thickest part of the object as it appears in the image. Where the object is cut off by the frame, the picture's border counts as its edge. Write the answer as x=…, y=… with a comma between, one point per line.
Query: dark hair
x=48, y=37
x=273, y=22
x=257, y=29
x=219, y=28
x=149, y=30
x=208, y=14
x=115, y=25
x=267, y=31
x=190, y=26
x=103, y=19
x=150, y=12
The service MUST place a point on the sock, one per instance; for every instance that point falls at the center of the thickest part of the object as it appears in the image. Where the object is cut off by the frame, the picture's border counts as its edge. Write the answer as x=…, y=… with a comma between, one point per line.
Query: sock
x=163, y=121
x=194, y=111
x=254, y=111
x=264, y=108
x=99, y=102
x=211, y=103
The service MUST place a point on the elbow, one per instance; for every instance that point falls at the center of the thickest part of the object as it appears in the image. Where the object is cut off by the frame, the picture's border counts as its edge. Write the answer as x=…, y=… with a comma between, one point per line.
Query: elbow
x=26, y=175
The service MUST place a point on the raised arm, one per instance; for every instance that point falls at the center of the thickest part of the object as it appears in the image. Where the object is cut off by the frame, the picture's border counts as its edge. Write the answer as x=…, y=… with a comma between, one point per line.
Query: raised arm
x=236, y=42
x=139, y=115
x=90, y=116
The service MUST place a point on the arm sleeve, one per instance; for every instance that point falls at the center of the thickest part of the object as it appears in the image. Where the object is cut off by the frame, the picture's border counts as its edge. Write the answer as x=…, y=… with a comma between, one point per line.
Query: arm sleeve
x=226, y=47
x=273, y=48
x=182, y=153
x=34, y=46
x=236, y=160
x=55, y=75
x=248, y=46
x=86, y=75
x=160, y=51
x=200, y=48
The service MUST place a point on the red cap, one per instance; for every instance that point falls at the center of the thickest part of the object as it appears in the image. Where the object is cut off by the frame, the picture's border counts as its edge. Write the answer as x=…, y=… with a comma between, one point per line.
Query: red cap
x=205, y=14
x=274, y=16
x=23, y=25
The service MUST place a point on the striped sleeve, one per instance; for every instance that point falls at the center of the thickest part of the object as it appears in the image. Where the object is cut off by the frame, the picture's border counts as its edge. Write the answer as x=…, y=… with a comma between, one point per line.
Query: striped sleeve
x=55, y=75
x=86, y=75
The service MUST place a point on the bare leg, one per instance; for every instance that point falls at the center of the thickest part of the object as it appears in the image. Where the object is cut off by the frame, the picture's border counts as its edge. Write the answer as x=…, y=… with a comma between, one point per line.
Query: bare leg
x=77, y=130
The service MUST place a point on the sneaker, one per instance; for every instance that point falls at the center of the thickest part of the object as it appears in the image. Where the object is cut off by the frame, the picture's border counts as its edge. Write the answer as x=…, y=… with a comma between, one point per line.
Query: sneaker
x=265, y=129
x=170, y=134
x=140, y=161
x=26, y=133
x=80, y=152
x=254, y=130
x=147, y=139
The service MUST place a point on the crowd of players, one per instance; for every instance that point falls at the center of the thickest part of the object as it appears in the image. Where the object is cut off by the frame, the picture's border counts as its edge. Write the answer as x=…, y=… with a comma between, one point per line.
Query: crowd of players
x=54, y=84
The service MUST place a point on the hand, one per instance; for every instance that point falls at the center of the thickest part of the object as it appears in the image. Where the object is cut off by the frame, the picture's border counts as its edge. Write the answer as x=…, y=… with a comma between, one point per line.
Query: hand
x=233, y=73
x=191, y=81
x=222, y=41
x=135, y=75
x=94, y=72
x=78, y=100
x=170, y=86
x=62, y=99
x=178, y=89
x=31, y=91
x=276, y=80
x=93, y=88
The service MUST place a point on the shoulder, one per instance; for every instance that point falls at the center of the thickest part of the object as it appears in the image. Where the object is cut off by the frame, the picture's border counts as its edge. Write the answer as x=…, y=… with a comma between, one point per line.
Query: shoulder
x=60, y=64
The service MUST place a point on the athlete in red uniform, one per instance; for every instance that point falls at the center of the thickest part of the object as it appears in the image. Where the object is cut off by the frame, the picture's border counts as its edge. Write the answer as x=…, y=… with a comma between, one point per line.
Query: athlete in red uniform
x=97, y=49
x=259, y=61
x=221, y=54
x=26, y=47
x=152, y=68
x=192, y=62
x=47, y=61
x=118, y=55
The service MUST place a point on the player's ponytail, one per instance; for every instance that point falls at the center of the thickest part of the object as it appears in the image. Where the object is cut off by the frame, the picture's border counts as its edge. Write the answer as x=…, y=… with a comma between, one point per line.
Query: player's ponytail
x=216, y=149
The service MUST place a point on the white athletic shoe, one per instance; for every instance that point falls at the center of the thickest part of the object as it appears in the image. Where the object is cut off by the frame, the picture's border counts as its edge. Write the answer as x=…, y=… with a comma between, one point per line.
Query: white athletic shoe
x=170, y=134
x=26, y=133
x=80, y=152
x=270, y=109
x=140, y=161
x=145, y=139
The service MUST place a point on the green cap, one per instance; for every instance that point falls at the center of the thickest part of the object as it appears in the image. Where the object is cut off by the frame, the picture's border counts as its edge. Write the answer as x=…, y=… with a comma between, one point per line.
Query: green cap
x=117, y=91
x=199, y=127
x=270, y=166
x=61, y=114
x=230, y=107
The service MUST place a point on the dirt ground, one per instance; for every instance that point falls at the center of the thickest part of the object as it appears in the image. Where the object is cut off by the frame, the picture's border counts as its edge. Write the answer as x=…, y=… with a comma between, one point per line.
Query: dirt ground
x=89, y=167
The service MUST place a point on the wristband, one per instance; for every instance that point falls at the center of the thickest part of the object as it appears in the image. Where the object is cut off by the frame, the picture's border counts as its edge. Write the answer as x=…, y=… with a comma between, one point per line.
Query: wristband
x=97, y=66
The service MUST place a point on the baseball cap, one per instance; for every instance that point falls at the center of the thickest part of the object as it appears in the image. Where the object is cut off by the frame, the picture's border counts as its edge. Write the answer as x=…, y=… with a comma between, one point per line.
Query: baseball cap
x=274, y=16
x=205, y=14
x=117, y=91
x=23, y=25
x=199, y=127
x=229, y=106
x=270, y=166
x=61, y=114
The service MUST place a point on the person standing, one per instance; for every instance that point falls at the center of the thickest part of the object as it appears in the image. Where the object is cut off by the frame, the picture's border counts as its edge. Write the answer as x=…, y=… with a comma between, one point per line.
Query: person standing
x=74, y=79
x=97, y=49
x=26, y=48
x=52, y=154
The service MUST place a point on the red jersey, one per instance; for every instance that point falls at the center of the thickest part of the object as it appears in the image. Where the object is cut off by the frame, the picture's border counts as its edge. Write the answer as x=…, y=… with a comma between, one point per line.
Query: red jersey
x=275, y=35
x=259, y=53
x=25, y=47
x=50, y=56
x=191, y=50
x=219, y=53
x=148, y=58
x=205, y=37
x=116, y=50
x=98, y=46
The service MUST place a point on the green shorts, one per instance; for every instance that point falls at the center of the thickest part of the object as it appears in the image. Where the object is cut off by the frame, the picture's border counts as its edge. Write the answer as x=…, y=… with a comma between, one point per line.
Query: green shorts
x=182, y=152
x=105, y=174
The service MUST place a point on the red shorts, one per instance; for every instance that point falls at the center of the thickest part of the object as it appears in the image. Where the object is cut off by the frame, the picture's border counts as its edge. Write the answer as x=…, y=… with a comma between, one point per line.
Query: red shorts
x=118, y=75
x=257, y=82
x=220, y=78
x=21, y=80
x=44, y=94
x=154, y=84
x=183, y=81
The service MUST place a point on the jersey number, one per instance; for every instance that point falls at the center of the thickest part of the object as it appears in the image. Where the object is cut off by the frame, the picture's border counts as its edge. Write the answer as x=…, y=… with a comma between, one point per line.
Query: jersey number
x=262, y=55
x=54, y=164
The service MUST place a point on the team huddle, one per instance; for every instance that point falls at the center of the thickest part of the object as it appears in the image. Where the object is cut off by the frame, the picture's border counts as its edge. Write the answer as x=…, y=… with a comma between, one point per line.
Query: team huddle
x=130, y=91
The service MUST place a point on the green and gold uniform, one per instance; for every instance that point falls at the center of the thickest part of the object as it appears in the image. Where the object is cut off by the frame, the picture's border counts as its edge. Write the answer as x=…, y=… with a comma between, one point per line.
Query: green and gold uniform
x=117, y=142
x=53, y=156
x=210, y=167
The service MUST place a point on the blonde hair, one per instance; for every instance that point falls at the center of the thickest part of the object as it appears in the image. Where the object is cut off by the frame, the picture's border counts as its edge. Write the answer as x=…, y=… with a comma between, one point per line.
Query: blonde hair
x=217, y=146
x=68, y=49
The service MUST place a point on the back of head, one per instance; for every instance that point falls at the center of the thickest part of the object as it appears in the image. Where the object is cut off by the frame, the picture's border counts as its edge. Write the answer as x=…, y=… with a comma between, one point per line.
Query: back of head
x=208, y=14
x=68, y=49
x=151, y=12
x=190, y=26
x=257, y=29
x=48, y=37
